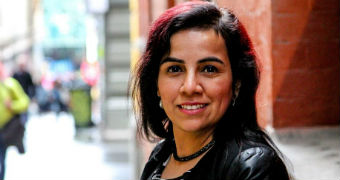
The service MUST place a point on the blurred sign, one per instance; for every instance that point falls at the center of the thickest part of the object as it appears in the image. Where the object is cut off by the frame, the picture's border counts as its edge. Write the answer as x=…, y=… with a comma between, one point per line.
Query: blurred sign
x=90, y=72
x=64, y=23
x=61, y=69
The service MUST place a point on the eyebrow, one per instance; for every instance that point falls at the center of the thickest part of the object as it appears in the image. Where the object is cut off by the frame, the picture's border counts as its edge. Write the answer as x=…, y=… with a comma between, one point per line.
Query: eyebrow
x=172, y=59
x=207, y=59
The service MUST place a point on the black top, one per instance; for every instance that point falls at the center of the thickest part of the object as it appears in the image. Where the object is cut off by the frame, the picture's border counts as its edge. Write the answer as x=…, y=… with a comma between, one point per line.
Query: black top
x=25, y=80
x=224, y=161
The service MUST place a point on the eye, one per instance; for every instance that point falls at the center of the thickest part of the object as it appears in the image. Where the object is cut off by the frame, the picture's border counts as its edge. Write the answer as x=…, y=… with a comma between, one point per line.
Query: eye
x=174, y=69
x=209, y=69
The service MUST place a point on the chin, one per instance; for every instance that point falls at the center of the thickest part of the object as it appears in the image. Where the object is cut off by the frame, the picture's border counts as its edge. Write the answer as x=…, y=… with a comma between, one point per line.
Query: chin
x=194, y=127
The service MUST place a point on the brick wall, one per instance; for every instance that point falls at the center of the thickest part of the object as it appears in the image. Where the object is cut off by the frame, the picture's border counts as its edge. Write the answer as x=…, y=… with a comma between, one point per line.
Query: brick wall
x=305, y=39
x=297, y=42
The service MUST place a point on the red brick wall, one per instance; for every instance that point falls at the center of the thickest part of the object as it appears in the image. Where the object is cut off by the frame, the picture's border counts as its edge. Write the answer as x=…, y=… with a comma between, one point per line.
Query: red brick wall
x=305, y=39
x=300, y=80
x=256, y=17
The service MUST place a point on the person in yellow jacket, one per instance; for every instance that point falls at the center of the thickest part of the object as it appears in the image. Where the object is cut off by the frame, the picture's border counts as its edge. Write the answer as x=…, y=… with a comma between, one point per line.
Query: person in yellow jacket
x=13, y=101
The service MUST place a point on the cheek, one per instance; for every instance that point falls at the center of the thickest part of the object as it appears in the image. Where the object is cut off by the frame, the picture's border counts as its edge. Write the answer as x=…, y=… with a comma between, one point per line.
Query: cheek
x=222, y=95
x=167, y=88
x=225, y=96
x=161, y=86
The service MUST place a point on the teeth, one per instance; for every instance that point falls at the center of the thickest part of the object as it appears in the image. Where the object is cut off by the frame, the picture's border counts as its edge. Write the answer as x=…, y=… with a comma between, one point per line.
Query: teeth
x=192, y=107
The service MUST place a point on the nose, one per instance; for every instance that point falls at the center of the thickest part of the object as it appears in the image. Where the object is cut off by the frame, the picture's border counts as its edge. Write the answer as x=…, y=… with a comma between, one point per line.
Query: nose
x=191, y=84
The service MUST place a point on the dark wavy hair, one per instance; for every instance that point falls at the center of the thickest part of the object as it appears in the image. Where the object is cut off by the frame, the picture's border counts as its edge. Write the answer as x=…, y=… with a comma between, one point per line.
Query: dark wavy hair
x=239, y=121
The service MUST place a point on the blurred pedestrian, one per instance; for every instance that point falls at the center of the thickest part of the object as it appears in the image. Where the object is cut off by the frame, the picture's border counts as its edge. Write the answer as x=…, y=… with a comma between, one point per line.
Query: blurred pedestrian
x=57, y=102
x=24, y=76
x=25, y=79
x=13, y=101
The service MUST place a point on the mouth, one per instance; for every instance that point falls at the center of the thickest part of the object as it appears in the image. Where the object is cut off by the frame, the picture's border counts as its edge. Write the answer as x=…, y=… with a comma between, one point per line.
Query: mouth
x=192, y=106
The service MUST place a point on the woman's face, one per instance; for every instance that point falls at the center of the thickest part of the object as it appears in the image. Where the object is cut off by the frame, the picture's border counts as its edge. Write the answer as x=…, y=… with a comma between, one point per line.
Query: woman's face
x=195, y=80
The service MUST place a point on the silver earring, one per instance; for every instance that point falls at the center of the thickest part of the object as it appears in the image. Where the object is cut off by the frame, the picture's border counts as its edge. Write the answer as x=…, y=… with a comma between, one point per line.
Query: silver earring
x=160, y=104
x=233, y=101
x=236, y=92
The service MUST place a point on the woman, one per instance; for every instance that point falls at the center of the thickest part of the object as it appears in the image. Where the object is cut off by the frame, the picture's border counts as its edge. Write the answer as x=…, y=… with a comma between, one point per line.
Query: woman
x=13, y=101
x=195, y=89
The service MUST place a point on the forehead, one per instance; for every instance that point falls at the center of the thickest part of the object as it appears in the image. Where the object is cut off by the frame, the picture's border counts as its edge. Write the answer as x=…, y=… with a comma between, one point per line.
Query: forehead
x=197, y=42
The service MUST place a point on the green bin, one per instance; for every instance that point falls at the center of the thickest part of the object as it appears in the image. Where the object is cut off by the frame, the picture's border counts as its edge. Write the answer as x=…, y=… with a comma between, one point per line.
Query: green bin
x=81, y=107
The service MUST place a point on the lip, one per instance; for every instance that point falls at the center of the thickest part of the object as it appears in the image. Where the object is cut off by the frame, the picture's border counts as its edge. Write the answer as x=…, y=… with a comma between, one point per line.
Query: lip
x=192, y=108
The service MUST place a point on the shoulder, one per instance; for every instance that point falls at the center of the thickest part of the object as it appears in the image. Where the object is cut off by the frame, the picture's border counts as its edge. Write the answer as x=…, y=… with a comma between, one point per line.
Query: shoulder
x=158, y=148
x=11, y=82
x=160, y=152
x=255, y=163
x=260, y=153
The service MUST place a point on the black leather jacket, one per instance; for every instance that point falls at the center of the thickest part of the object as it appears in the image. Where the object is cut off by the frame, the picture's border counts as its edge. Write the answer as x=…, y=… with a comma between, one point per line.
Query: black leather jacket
x=226, y=161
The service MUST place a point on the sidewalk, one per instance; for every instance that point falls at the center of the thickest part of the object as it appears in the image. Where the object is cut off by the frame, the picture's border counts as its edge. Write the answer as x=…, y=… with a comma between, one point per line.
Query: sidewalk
x=55, y=152
x=313, y=152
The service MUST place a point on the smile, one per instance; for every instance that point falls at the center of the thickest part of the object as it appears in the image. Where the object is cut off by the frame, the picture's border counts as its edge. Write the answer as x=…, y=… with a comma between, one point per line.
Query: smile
x=192, y=107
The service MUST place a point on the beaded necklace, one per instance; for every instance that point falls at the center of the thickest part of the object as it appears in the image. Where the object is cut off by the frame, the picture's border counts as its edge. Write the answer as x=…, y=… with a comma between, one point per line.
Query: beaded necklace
x=196, y=154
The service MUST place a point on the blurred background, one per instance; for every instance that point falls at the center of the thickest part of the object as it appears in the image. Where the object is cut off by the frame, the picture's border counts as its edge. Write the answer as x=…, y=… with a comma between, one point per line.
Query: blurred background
x=79, y=54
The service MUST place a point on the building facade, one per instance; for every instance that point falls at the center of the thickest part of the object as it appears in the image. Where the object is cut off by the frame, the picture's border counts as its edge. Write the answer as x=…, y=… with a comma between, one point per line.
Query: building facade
x=16, y=29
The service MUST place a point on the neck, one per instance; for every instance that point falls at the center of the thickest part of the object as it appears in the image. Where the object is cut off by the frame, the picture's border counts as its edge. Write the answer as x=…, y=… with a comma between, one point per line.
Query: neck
x=188, y=143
